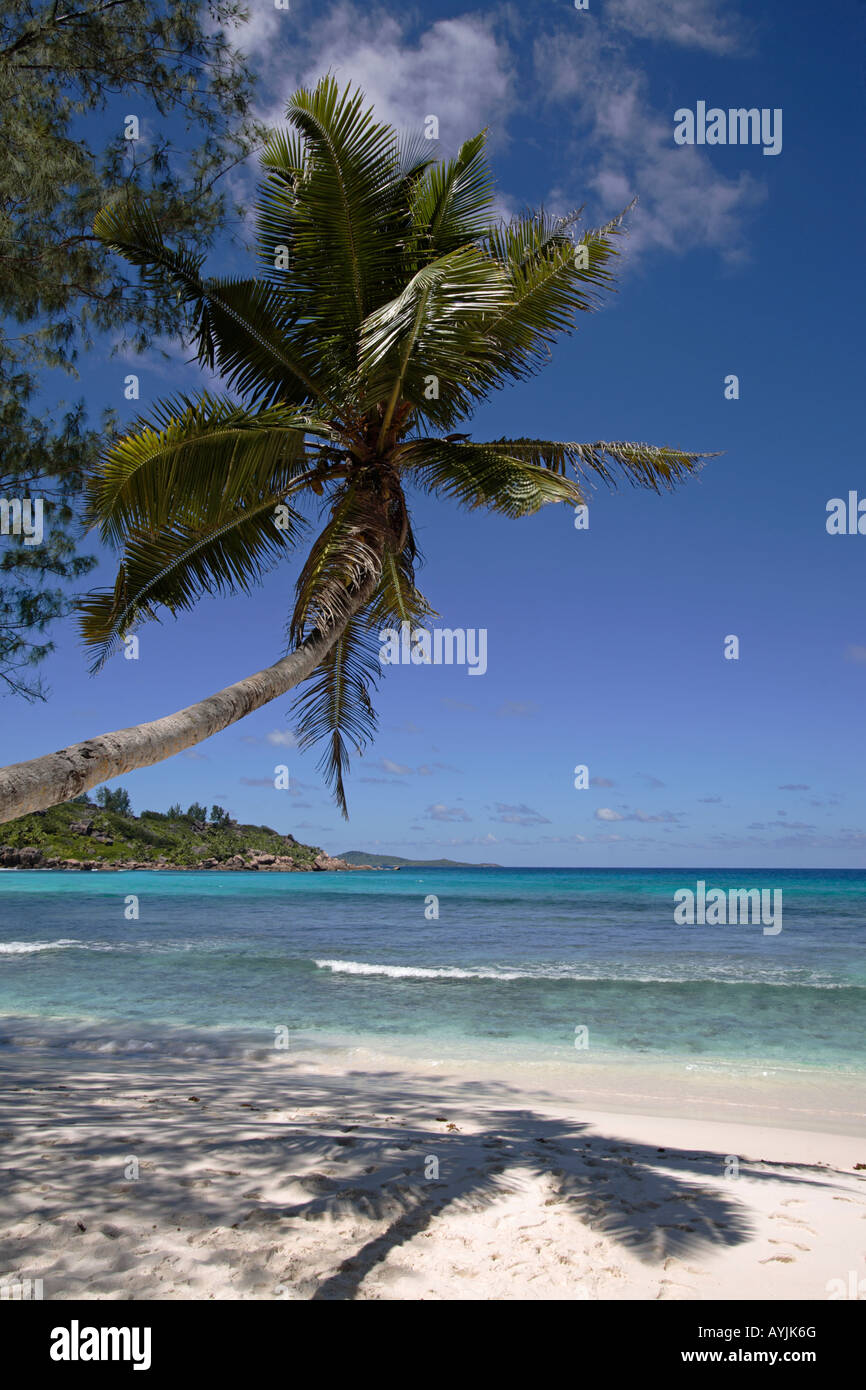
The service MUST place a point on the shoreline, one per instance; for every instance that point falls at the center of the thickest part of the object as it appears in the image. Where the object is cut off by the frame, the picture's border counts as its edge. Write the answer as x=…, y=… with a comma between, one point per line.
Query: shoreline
x=70, y=866
x=286, y=1178
x=94, y=866
x=744, y=1091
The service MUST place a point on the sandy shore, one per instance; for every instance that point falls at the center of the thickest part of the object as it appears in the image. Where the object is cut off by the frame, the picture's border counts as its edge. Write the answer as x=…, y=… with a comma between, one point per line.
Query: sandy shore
x=277, y=1178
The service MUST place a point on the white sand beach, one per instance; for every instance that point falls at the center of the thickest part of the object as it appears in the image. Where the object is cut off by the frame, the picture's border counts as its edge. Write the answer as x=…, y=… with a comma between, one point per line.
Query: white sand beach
x=279, y=1178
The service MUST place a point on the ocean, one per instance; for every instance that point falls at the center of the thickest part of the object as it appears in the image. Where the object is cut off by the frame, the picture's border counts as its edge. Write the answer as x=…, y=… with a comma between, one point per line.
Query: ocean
x=548, y=966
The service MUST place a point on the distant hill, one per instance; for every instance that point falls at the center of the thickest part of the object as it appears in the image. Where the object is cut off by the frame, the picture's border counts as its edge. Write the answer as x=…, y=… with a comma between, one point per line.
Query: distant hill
x=393, y=861
x=82, y=835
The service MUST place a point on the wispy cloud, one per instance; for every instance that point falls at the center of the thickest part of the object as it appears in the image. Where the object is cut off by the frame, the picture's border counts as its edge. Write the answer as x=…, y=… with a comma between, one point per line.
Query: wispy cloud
x=713, y=25
x=623, y=146
x=397, y=769
x=606, y=813
x=441, y=812
x=277, y=738
x=519, y=815
x=282, y=738
x=517, y=709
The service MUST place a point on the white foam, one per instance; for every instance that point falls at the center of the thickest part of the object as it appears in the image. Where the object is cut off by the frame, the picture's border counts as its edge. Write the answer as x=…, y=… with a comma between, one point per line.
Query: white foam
x=676, y=976
x=26, y=948
x=414, y=972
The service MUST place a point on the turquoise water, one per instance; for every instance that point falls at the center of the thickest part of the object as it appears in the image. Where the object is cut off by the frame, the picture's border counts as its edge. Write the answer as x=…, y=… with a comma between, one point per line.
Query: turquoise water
x=516, y=961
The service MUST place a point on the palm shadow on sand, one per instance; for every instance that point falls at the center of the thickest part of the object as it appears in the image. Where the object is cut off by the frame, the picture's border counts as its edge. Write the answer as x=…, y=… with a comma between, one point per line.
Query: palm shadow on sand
x=360, y=1144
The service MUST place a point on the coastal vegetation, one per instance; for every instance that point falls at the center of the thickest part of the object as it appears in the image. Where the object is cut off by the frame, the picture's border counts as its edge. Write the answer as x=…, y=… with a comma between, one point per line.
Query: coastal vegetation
x=86, y=834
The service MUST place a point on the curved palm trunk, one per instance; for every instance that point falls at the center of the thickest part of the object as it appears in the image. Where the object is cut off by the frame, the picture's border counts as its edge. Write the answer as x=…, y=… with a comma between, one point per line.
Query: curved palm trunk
x=46, y=781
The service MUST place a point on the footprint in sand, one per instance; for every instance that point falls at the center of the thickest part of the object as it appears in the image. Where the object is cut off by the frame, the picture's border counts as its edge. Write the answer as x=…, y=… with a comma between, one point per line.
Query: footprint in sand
x=667, y=1286
x=672, y=1262
x=792, y=1221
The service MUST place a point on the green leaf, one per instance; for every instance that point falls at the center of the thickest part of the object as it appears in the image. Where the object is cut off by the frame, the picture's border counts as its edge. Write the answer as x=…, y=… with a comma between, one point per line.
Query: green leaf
x=451, y=205
x=351, y=165
x=486, y=475
x=334, y=706
x=243, y=326
x=175, y=567
x=652, y=466
x=344, y=555
x=192, y=454
x=433, y=326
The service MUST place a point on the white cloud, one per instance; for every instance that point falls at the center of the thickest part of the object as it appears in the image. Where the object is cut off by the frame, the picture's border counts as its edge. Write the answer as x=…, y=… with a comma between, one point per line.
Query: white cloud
x=457, y=69
x=464, y=70
x=282, y=738
x=446, y=813
x=396, y=769
x=256, y=37
x=660, y=817
x=707, y=24
x=624, y=148
x=519, y=815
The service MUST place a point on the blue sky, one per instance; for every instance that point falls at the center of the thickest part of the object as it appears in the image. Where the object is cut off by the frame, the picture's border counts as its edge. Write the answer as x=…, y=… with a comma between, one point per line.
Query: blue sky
x=605, y=646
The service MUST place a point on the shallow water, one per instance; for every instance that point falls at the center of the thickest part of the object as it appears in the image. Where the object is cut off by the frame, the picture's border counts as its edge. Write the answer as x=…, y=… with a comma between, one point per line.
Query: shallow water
x=516, y=965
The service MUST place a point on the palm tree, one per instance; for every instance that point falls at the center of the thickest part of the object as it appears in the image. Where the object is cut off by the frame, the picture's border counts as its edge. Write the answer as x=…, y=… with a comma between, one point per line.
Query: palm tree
x=390, y=302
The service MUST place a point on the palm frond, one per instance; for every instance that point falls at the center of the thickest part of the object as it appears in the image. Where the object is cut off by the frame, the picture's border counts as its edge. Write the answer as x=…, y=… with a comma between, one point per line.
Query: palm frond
x=351, y=162
x=335, y=704
x=283, y=159
x=242, y=326
x=451, y=204
x=643, y=465
x=433, y=326
x=553, y=278
x=398, y=599
x=486, y=475
x=182, y=462
x=343, y=556
x=174, y=567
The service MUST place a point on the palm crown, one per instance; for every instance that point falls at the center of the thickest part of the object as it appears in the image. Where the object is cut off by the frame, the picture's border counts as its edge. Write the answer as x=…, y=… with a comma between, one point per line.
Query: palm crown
x=390, y=302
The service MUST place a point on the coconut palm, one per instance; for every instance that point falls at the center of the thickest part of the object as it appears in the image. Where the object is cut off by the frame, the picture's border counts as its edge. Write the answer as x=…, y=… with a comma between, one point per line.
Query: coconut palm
x=390, y=302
